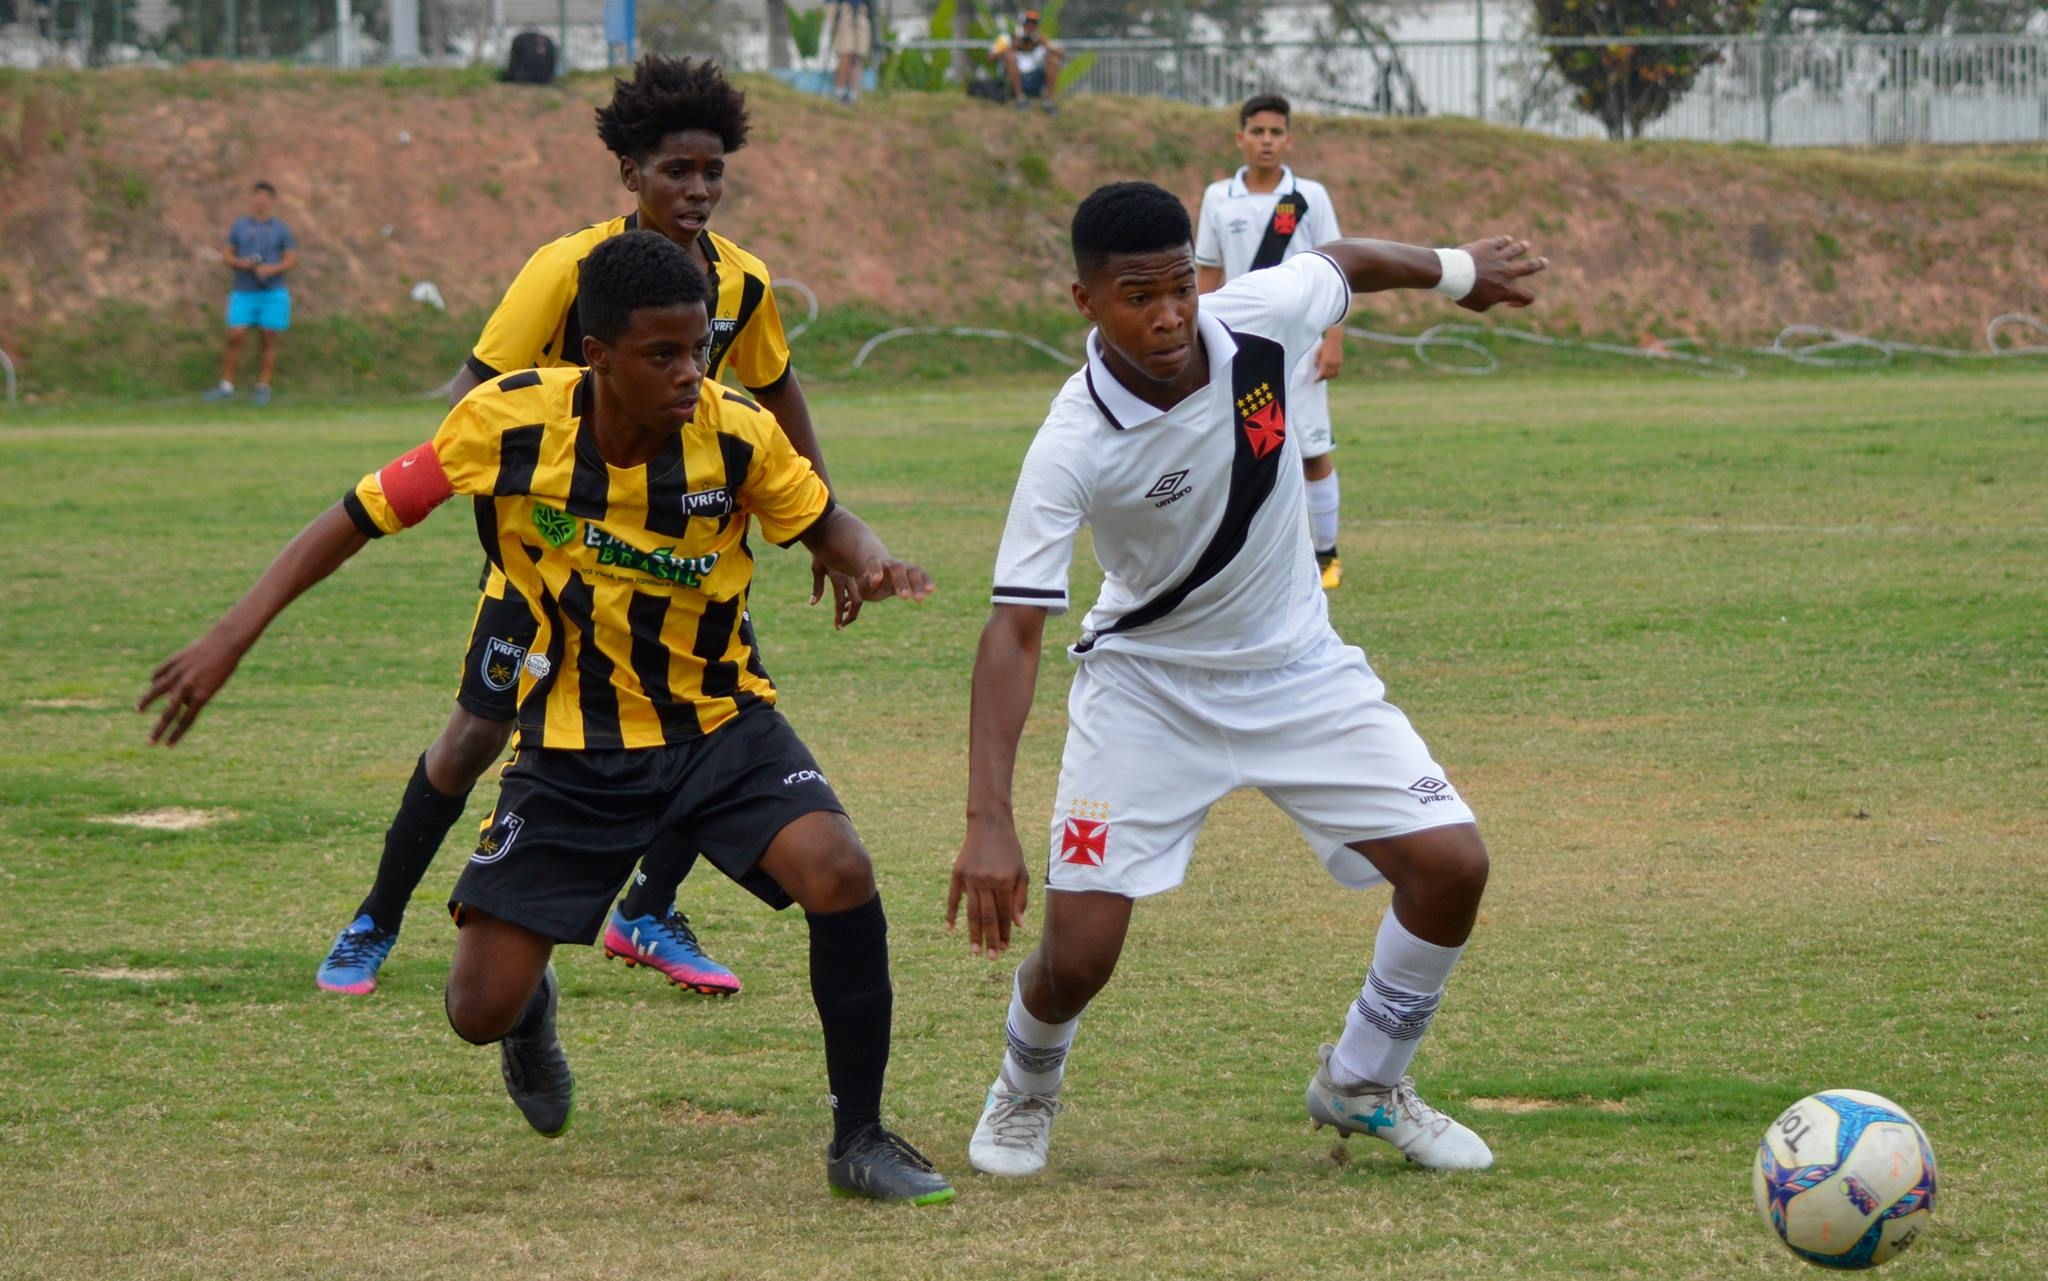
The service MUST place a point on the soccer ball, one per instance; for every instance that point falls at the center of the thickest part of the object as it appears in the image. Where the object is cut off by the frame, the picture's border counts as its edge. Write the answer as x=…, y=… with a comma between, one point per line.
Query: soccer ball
x=1845, y=1179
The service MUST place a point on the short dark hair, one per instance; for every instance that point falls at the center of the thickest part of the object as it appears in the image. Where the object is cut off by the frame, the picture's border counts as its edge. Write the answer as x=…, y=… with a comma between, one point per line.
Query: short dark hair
x=264, y=186
x=630, y=271
x=669, y=95
x=1127, y=218
x=1263, y=102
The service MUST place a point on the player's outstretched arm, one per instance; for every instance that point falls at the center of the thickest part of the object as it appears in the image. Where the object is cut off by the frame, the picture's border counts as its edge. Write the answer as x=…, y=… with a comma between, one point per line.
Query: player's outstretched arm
x=989, y=872
x=189, y=679
x=1499, y=266
x=847, y=546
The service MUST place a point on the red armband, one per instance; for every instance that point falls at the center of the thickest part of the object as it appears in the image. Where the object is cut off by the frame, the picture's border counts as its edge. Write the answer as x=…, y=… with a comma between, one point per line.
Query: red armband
x=415, y=484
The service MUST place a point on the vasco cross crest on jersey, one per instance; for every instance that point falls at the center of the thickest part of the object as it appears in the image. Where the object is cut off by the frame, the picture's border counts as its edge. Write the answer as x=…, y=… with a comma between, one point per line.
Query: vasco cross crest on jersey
x=499, y=667
x=1265, y=421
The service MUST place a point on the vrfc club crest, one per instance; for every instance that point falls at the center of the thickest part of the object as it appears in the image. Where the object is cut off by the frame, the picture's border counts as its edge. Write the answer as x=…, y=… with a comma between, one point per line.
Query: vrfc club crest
x=1265, y=421
x=499, y=667
x=1283, y=220
x=1085, y=837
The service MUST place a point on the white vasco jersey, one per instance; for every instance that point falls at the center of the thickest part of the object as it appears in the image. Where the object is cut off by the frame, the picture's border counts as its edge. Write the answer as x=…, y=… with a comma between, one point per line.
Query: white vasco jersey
x=1233, y=222
x=1197, y=510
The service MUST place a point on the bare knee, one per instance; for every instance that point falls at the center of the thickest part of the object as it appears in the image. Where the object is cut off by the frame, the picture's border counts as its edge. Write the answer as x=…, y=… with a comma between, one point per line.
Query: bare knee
x=821, y=862
x=1459, y=866
x=1318, y=467
x=467, y=747
x=480, y=1016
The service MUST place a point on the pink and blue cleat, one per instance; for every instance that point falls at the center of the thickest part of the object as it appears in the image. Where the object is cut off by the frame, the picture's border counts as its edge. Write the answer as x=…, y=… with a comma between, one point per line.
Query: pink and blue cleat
x=358, y=953
x=667, y=943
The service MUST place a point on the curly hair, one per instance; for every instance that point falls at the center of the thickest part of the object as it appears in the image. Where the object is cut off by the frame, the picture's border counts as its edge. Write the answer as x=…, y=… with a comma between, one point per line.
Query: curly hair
x=630, y=271
x=669, y=95
x=1127, y=218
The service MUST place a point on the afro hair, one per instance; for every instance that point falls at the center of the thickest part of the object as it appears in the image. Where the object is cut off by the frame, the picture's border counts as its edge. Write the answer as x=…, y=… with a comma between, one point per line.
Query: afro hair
x=1127, y=218
x=670, y=95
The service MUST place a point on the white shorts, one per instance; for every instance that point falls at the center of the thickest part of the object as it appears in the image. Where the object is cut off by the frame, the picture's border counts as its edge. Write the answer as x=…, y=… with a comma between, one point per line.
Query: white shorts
x=1151, y=746
x=1308, y=409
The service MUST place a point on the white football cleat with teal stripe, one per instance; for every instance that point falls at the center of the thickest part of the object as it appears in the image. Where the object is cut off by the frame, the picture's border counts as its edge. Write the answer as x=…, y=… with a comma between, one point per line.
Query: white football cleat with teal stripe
x=1393, y=1114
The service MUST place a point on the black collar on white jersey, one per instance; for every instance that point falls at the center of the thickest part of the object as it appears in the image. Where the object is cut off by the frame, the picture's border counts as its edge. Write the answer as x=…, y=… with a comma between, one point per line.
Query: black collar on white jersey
x=1124, y=408
x=1237, y=187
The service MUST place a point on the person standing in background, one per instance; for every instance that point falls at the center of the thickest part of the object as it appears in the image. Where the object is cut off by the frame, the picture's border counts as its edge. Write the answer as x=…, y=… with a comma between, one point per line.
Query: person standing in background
x=261, y=250
x=851, y=27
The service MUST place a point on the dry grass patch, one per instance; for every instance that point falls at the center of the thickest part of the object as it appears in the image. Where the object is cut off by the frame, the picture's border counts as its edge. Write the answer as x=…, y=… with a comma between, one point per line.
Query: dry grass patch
x=174, y=818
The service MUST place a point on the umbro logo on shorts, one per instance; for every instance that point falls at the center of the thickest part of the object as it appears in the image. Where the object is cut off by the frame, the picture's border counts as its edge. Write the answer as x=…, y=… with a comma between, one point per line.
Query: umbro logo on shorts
x=1169, y=488
x=1431, y=788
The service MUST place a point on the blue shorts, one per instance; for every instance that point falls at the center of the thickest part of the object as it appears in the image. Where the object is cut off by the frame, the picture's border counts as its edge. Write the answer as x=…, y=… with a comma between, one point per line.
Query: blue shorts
x=263, y=308
x=1032, y=83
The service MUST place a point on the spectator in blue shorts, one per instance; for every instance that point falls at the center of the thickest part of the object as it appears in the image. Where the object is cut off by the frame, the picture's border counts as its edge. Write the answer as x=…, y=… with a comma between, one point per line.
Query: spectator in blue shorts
x=261, y=250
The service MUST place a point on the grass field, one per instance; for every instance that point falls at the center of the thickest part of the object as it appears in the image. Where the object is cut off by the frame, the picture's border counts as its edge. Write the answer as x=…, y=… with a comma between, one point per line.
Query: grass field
x=1748, y=683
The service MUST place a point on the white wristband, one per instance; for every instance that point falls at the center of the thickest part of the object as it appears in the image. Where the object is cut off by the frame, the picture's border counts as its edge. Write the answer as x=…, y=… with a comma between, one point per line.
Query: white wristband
x=1460, y=273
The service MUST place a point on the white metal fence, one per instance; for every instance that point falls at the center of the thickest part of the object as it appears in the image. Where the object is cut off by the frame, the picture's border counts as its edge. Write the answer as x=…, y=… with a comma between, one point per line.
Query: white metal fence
x=1780, y=90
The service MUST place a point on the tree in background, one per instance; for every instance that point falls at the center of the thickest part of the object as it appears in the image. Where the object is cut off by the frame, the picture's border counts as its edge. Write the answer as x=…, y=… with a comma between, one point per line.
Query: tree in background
x=1628, y=83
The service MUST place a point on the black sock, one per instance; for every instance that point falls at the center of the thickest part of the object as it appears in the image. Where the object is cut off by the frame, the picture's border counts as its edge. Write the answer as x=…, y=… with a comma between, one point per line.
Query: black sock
x=653, y=891
x=410, y=843
x=850, y=983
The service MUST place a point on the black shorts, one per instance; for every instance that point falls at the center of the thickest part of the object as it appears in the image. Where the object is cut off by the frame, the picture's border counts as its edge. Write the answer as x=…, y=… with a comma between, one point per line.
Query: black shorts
x=570, y=825
x=498, y=640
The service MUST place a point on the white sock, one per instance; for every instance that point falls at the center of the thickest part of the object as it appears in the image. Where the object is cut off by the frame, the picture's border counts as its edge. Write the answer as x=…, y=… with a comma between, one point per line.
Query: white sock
x=1322, y=513
x=1036, y=1060
x=225, y=385
x=1402, y=988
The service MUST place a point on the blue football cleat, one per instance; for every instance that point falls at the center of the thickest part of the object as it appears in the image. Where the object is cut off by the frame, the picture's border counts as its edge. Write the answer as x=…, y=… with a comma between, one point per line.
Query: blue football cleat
x=358, y=954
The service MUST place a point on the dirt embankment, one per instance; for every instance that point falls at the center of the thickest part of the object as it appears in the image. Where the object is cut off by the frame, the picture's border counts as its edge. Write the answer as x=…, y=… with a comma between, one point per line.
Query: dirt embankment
x=118, y=186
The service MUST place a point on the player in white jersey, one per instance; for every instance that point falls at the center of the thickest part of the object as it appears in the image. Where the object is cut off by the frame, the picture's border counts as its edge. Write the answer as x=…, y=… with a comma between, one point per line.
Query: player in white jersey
x=1207, y=664
x=1259, y=218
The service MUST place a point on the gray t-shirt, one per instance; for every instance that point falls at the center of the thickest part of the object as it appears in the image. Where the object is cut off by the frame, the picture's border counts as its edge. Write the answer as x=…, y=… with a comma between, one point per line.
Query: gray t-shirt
x=264, y=241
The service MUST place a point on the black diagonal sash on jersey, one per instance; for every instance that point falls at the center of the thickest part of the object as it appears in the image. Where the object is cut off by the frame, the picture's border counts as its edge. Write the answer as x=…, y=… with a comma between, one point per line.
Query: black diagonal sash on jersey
x=1287, y=216
x=1258, y=394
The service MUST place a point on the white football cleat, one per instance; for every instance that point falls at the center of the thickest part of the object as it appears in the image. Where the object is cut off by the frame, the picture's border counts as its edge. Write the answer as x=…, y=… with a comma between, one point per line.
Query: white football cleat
x=1014, y=1131
x=1393, y=1114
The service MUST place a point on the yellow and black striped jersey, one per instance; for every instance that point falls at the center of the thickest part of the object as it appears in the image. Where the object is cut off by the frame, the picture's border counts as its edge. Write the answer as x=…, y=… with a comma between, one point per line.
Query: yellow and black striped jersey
x=638, y=576
x=536, y=326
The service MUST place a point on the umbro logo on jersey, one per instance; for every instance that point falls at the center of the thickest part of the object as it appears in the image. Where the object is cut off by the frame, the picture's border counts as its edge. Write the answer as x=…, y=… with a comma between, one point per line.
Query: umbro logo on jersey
x=1170, y=488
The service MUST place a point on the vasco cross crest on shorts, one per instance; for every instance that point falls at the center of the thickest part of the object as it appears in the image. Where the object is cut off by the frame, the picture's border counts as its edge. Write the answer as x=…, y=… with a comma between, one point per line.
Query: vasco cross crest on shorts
x=1085, y=839
x=499, y=666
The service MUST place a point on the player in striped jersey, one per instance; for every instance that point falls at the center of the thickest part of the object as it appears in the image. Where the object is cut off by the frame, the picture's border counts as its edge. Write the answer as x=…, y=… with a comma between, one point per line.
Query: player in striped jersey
x=671, y=126
x=618, y=500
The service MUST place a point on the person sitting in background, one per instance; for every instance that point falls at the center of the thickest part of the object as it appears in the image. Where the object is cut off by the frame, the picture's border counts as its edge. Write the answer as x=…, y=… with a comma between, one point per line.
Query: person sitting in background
x=261, y=250
x=1030, y=63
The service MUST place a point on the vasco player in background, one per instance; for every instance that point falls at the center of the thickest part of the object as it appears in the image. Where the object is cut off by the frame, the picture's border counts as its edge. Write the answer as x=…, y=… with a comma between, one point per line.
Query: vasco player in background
x=652, y=716
x=672, y=127
x=1207, y=664
x=1259, y=218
